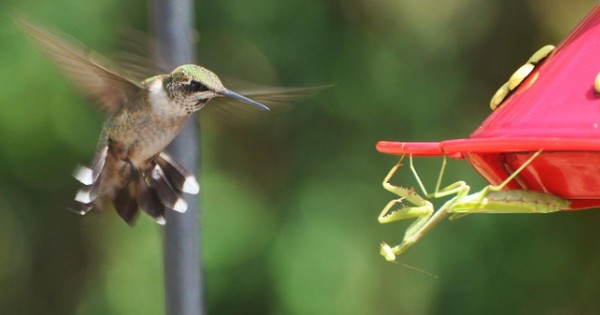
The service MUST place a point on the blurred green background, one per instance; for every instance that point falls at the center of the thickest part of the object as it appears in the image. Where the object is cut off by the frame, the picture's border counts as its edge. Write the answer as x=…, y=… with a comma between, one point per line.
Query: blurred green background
x=291, y=198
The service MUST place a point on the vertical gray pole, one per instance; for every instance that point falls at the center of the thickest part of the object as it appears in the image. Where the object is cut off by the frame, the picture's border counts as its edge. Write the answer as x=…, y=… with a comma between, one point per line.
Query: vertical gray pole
x=173, y=22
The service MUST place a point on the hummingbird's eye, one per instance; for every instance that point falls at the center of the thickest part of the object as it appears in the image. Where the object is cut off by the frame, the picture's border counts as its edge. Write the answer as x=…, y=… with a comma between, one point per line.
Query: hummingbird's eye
x=196, y=86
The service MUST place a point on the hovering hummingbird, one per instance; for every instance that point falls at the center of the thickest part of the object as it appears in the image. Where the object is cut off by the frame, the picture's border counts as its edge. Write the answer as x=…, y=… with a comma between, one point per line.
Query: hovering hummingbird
x=130, y=169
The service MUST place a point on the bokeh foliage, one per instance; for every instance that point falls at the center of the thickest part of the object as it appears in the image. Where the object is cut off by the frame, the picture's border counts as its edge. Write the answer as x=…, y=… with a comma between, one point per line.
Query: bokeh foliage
x=290, y=199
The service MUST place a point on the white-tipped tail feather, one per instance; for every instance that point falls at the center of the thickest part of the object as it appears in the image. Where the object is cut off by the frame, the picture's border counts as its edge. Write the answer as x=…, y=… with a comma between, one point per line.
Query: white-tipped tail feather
x=178, y=176
x=191, y=186
x=166, y=193
x=84, y=175
x=180, y=205
x=83, y=196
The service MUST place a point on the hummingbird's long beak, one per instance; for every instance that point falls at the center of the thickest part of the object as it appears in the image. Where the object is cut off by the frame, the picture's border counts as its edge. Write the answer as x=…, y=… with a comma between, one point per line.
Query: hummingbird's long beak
x=244, y=99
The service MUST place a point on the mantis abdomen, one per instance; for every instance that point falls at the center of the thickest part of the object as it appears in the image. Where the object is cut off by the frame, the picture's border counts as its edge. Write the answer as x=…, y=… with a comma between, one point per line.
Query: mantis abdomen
x=511, y=201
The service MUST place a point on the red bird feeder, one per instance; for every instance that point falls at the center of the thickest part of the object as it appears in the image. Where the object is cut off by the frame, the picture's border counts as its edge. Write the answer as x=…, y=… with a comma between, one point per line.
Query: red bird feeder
x=555, y=109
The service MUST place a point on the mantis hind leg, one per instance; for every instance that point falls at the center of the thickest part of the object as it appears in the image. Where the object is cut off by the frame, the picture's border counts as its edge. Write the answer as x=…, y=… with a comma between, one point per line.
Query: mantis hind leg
x=483, y=193
x=501, y=186
x=515, y=173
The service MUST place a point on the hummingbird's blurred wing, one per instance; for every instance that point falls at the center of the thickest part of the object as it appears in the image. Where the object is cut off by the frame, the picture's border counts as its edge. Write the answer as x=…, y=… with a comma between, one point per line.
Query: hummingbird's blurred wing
x=281, y=96
x=220, y=110
x=134, y=57
x=273, y=97
x=85, y=68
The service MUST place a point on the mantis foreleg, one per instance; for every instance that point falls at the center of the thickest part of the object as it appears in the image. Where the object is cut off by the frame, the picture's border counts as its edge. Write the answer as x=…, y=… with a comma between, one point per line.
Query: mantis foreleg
x=423, y=209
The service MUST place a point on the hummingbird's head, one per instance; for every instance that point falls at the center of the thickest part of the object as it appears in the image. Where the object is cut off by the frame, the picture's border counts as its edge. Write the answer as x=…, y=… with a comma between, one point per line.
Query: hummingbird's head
x=192, y=86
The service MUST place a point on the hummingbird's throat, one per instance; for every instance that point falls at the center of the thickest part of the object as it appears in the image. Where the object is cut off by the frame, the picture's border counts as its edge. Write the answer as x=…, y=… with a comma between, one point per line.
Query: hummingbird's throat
x=200, y=103
x=164, y=105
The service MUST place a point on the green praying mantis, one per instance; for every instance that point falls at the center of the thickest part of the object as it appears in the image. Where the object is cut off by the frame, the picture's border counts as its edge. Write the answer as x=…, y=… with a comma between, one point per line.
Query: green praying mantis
x=491, y=199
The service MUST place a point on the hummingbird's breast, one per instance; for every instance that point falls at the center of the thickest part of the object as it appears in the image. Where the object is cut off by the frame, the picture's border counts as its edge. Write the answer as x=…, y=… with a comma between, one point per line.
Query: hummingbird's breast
x=142, y=134
x=152, y=141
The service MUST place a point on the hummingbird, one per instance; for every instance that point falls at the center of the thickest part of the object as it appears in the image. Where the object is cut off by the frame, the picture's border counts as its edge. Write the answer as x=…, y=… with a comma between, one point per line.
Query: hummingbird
x=130, y=169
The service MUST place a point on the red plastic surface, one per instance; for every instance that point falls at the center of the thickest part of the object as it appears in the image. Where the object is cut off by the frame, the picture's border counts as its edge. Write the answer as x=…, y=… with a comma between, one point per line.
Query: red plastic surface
x=555, y=109
x=459, y=147
x=414, y=148
x=561, y=103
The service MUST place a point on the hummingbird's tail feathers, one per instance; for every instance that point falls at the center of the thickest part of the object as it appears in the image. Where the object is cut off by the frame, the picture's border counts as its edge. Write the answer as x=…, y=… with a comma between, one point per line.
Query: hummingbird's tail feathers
x=149, y=202
x=177, y=175
x=168, y=195
x=89, y=193
x=89, y=176
x=83, y=195
x=87, y=197
x=163, y=185
x=159, y=186
x=83, y=209
x=126, y=206
x=83, y=175
x=98, y=163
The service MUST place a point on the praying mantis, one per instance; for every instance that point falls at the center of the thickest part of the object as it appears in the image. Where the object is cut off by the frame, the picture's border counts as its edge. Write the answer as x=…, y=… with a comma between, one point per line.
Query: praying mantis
x=491, y=199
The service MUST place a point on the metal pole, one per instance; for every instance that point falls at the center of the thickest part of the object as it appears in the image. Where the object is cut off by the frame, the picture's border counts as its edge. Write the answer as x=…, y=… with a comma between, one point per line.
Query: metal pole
x=184, y=291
